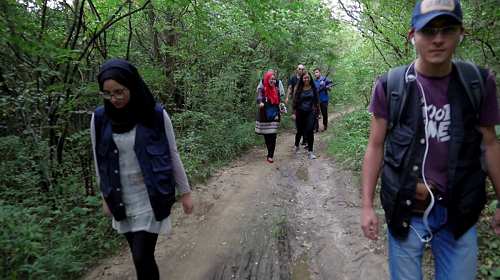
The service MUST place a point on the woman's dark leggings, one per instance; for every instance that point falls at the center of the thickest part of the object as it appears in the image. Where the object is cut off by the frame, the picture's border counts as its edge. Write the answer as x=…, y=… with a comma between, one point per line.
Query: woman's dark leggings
x=270, y=144
x=305, y=127
x=142, y=245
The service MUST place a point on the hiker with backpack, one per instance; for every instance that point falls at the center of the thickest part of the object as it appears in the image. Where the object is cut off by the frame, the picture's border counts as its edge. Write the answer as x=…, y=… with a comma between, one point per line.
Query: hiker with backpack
x=137, y=163
x=268, y=115
x=433, y=141
x=305, y=104
x=324, y=85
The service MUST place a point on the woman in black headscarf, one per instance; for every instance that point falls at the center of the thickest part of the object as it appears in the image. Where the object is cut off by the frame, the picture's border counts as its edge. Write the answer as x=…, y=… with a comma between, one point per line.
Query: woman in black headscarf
x=137, y=162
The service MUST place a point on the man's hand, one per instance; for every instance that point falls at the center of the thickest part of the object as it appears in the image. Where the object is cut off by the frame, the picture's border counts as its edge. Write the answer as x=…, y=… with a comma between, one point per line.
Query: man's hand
x=369, y=223
x=294, y=117
x=261, y=104
x=187, y=203
x=495, y=223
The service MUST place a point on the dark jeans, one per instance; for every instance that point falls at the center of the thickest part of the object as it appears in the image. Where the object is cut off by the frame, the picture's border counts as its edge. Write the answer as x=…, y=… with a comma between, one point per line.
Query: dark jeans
x=270, y=144
x=305, y=128
x=142, y=245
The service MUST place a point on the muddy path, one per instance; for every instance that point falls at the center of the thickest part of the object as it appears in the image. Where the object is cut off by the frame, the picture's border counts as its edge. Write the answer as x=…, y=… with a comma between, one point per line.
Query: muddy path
x=293, y=219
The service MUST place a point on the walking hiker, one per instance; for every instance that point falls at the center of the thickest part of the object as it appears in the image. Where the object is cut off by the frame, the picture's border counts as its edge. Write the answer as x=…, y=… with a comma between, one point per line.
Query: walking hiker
x=279, y=84
x=428, y=136
x=137, y=163
x=323, y=84
x=292, y=86
x=293, y=81
x=268, y=116
x=305, y=103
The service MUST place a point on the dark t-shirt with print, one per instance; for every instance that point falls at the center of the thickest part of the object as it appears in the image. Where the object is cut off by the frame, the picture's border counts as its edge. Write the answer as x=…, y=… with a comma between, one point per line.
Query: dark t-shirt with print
x=438, y=114
x=293, y=81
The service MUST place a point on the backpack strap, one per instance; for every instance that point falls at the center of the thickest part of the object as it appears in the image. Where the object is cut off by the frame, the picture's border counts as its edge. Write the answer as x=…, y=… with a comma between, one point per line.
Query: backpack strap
x=395, y=88
x=473, y=82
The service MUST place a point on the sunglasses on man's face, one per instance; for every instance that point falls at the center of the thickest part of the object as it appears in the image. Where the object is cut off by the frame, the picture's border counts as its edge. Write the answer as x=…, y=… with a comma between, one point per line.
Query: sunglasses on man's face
x=445, y=31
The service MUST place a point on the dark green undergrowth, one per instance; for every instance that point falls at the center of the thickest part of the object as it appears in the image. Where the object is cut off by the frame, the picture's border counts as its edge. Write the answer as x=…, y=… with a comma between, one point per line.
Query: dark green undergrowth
x=350, y=136
x=48, y=231
x=210, y=142
x=348, y=144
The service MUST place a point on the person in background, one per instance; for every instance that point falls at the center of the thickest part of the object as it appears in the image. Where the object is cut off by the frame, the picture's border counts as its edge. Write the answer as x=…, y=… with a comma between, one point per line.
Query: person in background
x=268, y=116
x=305, y=104
x=137, y=163
x=293, y=81
x=430, y=157
x=324, y=85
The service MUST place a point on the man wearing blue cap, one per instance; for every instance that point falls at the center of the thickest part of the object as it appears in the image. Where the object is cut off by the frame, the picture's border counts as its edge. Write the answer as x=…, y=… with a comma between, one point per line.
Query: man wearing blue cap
x=433, y=138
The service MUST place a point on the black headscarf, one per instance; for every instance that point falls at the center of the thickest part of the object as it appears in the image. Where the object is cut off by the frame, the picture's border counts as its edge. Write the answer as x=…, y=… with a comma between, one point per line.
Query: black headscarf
x=140, y=108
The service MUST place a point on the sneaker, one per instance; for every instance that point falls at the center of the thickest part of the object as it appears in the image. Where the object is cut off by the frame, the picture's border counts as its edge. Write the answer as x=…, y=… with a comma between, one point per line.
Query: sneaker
x=311, y=155
x=270, y=160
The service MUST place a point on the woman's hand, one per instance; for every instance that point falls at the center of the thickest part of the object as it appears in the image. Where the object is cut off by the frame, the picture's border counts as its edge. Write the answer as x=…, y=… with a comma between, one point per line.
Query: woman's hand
x=187, y=203
x=293, y=116
x=105, y=208
x=261, y=104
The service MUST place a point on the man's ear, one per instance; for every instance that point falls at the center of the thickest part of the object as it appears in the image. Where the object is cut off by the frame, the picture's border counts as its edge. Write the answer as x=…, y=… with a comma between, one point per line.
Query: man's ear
x=411, y=36
x=462, y=34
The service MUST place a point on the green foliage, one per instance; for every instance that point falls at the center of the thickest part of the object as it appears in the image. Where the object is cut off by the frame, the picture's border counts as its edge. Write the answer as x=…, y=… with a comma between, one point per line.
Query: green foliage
x=21, y=168
x=45, y=243
x=489, y=243
x=350, y=139
x=206, y=142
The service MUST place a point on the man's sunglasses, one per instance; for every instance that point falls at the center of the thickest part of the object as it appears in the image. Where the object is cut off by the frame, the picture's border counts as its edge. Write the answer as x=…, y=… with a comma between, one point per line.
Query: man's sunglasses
x=445, y=31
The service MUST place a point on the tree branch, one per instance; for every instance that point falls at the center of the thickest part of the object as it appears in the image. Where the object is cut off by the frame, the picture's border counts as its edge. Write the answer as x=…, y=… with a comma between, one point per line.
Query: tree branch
x=107, y=25
x=129, y=42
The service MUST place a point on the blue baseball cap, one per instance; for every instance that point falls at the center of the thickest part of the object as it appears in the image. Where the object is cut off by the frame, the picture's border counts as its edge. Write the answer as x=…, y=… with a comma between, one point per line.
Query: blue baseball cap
x=427, y=10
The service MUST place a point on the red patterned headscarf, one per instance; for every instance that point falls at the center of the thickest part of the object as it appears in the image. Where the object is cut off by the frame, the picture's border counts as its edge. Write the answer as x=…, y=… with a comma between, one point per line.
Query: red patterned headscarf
x=270, y=91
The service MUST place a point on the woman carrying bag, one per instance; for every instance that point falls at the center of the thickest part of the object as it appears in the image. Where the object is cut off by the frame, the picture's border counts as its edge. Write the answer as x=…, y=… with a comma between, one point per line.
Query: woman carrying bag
x=268, y=116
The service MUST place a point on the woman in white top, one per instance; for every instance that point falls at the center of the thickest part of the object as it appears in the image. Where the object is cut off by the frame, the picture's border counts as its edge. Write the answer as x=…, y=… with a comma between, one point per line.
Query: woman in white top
x=137, y=163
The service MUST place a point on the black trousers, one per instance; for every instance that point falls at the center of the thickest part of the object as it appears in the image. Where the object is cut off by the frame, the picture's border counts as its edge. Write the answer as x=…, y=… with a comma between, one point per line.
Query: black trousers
x=323, y=106
x=270, y=144
x=305, y=128
x=142, y=245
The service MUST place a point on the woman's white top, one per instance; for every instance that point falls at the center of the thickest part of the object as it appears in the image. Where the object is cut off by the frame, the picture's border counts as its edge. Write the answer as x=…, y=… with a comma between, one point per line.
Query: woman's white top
x=135, y=197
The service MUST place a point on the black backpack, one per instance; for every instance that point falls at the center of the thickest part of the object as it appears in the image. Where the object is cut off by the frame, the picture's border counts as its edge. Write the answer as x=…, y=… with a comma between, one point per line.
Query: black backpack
x=471, y=77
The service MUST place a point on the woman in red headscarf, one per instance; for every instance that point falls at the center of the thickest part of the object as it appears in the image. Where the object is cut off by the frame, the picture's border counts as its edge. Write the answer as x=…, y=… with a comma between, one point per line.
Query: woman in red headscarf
x=268, y=118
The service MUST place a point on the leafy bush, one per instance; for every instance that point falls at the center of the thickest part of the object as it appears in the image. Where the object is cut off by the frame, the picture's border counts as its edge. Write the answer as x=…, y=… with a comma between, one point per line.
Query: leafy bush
x=43, y=243
x=207, y=142
x=489, y=243
x=351, y=136
x=22, y=166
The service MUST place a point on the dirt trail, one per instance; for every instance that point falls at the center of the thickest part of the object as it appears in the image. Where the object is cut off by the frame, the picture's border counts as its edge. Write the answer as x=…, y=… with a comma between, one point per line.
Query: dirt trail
x=294, y=219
